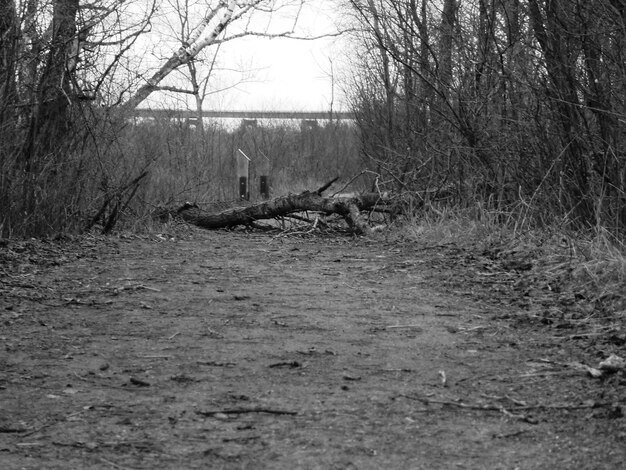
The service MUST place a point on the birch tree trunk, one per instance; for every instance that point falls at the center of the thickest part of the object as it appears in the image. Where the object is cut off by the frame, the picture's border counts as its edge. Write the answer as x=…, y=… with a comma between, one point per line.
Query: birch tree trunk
x=196, y=43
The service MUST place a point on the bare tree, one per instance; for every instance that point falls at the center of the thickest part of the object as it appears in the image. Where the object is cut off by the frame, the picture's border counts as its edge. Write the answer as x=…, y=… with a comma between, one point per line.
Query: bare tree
x=57, y=54
x=210, y=30
x=514, y=101
x=194, y=77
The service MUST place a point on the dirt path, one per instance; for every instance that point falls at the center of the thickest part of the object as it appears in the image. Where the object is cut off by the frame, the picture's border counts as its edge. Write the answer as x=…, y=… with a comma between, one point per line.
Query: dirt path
x=233, y=350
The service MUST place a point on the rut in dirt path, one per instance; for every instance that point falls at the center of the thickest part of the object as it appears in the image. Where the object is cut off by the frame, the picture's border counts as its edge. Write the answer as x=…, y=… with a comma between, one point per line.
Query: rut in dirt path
x=232, y=350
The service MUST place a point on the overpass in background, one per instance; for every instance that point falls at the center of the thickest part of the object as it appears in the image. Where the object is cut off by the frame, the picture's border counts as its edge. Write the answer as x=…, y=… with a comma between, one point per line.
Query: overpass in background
x=252, y=115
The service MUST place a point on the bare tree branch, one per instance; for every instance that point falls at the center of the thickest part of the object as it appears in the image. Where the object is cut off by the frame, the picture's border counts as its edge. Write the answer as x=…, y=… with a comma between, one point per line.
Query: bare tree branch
x=199, y=39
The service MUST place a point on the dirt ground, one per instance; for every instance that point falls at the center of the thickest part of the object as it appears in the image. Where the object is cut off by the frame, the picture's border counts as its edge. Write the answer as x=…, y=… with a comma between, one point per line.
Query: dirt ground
x=240, y=350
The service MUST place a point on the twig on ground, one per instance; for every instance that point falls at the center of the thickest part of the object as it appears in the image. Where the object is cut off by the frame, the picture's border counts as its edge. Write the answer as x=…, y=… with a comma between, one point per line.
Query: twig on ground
x=578, y=366
x=543, y=373
x=238, y=411
x=153, y=289
x=290, y=364
x=11, y=429
x=136, y=287
x=113, y=464
x=403, y=326
x=217, y=363
x=511, y=411
x=139, y=382
x=548, y=406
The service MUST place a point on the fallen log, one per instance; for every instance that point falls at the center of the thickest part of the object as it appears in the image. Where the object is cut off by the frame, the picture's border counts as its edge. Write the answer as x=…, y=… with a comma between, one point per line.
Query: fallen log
x=348, y=207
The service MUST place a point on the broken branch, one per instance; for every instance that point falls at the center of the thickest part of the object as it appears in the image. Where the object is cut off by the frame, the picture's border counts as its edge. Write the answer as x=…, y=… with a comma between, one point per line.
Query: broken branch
x=347, y=207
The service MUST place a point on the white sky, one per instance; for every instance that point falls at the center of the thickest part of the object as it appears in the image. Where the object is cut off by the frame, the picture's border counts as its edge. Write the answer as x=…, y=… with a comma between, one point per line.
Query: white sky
x=284, y=74
x=288, y=74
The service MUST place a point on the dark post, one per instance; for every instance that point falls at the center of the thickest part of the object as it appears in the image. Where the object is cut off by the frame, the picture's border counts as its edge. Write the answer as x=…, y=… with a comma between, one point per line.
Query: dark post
x=264, y=179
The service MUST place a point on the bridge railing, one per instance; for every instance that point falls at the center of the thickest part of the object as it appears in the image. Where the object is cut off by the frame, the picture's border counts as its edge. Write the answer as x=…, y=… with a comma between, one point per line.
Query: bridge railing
x=247, y=115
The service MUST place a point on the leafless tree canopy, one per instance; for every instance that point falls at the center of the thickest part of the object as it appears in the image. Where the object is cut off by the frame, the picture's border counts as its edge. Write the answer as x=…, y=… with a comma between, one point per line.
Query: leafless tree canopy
x=520, y=104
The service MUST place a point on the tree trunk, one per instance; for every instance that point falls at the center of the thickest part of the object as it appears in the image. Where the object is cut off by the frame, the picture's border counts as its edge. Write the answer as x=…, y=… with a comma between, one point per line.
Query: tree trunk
x=559, y=49
x=50, y=119
x=8, y=59
x=448, y=19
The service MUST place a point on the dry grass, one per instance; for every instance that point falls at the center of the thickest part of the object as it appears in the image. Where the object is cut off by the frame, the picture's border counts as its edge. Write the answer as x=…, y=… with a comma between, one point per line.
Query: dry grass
x=470, y=226
x=600, y=268
x=572, y=267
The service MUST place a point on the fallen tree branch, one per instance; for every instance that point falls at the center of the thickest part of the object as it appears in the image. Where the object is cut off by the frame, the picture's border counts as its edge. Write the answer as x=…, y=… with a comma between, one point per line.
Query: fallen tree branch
x=348, y=207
